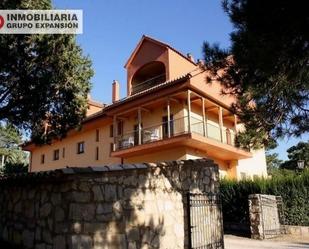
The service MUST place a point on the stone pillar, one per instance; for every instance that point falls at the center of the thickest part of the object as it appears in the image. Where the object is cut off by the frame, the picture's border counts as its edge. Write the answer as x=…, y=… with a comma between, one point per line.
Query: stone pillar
x=255, y=218
x=264, y=216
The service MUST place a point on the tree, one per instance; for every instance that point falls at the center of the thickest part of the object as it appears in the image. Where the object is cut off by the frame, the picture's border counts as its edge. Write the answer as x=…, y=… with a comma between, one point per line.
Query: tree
x=266, y=67
x=296, y=153
x=273, y=162
x=13, y=159
x=44, y=80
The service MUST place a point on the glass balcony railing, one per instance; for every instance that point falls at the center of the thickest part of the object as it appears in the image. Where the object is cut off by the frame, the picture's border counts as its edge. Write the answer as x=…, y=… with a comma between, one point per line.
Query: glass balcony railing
x=175, y=127
x=151, y=134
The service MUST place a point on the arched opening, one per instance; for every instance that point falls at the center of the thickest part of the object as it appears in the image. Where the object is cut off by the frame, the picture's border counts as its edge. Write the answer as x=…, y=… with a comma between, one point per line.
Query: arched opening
x=148, y=76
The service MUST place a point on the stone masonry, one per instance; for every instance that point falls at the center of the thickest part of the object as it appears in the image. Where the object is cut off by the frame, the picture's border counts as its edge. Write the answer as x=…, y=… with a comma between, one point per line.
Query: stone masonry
x=264, y=216
x=120, y=206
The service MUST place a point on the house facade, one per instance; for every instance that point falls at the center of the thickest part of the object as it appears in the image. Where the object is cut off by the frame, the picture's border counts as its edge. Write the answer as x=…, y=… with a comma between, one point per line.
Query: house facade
x=170, y=113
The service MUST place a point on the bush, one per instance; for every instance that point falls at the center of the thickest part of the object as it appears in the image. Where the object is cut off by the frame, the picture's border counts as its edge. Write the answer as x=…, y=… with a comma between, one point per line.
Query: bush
x=293, y=187
x=14, y=168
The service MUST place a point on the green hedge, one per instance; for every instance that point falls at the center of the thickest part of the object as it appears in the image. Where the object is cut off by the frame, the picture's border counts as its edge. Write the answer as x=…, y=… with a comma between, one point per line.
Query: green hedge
x=293, y=187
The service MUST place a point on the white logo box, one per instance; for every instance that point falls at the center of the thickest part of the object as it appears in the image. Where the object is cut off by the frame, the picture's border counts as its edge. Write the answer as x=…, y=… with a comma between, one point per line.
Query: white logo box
x=41, y=21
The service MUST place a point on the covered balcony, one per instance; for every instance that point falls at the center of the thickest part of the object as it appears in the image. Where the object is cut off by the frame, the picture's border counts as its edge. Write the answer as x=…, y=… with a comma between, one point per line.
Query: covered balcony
x=148, y=76
x=187, y=120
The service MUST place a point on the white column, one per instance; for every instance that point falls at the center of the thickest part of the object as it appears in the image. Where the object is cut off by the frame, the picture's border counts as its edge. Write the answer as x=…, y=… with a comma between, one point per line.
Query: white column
x=115, y=132
x=189, y=110
x=221, y=122
x=204, y=118
x=168, y=118
x=235, y=123
x=139, y=116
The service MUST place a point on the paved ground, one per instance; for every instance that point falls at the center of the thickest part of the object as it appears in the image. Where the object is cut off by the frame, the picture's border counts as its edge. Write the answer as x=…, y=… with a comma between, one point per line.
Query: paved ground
x=287, y=242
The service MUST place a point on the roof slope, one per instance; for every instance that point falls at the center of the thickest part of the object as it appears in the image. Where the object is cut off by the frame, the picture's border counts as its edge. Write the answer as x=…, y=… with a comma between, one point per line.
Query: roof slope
x=147, y=38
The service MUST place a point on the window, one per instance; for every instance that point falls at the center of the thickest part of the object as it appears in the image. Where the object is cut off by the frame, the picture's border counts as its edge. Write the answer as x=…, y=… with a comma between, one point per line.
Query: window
x=97, y=153
x=136, y=134
x=97, y=135
x=111, y=147
x=80, y=147
x=42, y=159
x=63, y=152
x=111, y=131
x=165, y=126
x=120, y=128
x=56, y=155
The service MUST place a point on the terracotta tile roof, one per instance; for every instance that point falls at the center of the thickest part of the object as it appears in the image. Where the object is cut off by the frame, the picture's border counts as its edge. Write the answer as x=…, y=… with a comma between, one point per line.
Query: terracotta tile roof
x=180, y=79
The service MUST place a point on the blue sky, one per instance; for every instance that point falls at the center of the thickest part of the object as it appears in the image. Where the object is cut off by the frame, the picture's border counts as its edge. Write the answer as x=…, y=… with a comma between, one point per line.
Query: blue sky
x=112, y=29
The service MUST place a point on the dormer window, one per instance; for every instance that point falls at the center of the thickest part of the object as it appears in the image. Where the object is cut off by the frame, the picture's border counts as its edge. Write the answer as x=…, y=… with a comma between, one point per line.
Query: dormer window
x=148, y=76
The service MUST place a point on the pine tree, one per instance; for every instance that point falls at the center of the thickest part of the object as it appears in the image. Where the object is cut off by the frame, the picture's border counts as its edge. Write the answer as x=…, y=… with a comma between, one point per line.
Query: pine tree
x=266, y=67
x=44, y=79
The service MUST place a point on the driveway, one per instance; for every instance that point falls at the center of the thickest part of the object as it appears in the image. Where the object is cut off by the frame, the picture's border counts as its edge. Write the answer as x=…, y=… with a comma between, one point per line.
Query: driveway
x=286, y=242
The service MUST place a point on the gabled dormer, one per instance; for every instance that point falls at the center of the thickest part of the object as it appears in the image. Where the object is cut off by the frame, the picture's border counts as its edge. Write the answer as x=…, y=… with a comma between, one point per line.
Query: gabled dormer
x=153, y=62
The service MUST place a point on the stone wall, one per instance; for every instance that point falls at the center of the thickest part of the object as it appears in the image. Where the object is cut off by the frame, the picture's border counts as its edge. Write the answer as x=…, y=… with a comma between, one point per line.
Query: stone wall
x=264, y=216
x=121, y=206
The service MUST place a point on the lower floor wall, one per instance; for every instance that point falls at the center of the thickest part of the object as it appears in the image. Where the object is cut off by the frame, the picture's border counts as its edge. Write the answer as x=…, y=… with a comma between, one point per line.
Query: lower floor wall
x=234, y=169
x=120, y=206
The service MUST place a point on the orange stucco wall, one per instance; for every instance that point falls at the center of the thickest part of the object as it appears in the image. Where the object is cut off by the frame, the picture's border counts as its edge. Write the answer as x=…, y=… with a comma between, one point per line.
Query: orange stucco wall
x=148, y=52
x=159, y=156
x=71, y=158
x=178, y=66
x=213, y=90
x=92, y=110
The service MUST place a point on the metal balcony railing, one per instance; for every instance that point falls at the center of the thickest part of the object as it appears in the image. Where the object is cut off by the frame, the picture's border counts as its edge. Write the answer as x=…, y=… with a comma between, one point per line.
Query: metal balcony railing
x=176, y=127
x=148, y=83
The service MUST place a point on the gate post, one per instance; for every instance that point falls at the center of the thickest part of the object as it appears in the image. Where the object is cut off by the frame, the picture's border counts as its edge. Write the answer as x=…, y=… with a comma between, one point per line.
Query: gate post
x=255, y=217
x=264, y=216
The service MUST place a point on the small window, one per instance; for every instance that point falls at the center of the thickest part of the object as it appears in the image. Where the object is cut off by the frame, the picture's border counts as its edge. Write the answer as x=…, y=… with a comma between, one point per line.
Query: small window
x=42, y=159
x=120, y=128
x=63, y=152
x=111, y=131
x=97, y=153
x=80, y=147
x=97, y=135
x=56, y=155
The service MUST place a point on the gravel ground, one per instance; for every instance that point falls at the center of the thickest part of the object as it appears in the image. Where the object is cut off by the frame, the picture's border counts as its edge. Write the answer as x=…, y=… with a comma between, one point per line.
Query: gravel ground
x=286, y=242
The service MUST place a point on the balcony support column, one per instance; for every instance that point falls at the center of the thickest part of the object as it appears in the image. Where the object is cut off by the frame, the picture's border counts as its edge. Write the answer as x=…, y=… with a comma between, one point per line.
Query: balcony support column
x=204, y=118
x=168, y=118
x=115, y=132
x=235, y=123
x=189, y=110
x=139, y=117
x=221, y=122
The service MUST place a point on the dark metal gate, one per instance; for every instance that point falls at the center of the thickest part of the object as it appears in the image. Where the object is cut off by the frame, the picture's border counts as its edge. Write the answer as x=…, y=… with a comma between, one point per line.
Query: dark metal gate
x=205, y=222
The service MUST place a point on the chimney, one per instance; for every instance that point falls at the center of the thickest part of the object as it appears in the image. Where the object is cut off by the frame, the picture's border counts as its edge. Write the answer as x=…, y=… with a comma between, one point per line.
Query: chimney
x=115, y=94
x=190, y=57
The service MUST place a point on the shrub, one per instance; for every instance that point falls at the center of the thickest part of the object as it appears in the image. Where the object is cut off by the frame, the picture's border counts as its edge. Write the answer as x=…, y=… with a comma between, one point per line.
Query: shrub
x=293, y=187
x=14, y=168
